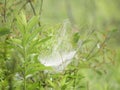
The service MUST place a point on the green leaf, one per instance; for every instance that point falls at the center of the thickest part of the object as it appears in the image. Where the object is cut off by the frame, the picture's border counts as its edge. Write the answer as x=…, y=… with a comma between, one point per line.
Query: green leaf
x=32, y=68
x=63, y=82
x=45, y=39
x=76, y=37
x=25, y=39
x=114, y=30
x=37, y=43
x=23, y=17
x=98, y=72
x=87, y=41
x=32, y=23
x=29, y=37
x=51, y=83
x=20, y=25
x=4, y=31
x=16, y=41
x=84, y=65
x=35, y=33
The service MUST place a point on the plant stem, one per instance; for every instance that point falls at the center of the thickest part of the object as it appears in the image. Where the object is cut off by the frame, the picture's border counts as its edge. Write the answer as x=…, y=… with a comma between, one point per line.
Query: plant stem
x=5, y=11
x=87, y=85
x=33, y=9
x=102, y=45
x=24, y=68
x=40, y=12
x=22, y=6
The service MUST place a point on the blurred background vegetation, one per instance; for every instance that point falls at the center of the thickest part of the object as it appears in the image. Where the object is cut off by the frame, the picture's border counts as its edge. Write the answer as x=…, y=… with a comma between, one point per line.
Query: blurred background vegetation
x=83, y=14
x=100, y=14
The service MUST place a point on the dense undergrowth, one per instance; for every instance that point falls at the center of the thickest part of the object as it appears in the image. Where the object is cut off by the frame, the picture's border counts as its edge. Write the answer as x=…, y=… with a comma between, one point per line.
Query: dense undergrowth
x=25, y=41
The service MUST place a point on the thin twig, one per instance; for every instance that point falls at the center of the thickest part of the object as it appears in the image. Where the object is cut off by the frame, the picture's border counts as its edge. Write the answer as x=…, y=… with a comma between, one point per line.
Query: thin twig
x=40, y=12
x=87, y=85
x=41, y=5
x=15, y=4
x=102, y=45
x=89, y=33
x=33, y=9
x=92, y=50
x=88, y=36
x=5, y=11
x=22, y=6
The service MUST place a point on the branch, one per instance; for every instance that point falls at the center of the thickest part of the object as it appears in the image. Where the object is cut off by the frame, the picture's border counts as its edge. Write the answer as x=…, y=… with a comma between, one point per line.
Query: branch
x=22, y=6
x=40, y=12
x=5, y=11
x=102, y=45
x=33, y=9
x=41, y=5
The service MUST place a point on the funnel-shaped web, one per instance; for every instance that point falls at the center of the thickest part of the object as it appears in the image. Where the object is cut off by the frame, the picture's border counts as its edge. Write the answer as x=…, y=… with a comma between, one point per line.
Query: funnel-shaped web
x=59, y=58
x=58, y=61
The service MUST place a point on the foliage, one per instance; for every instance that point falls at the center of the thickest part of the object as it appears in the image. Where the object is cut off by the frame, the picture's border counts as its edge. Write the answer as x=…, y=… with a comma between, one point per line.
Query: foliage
x=24, y=39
